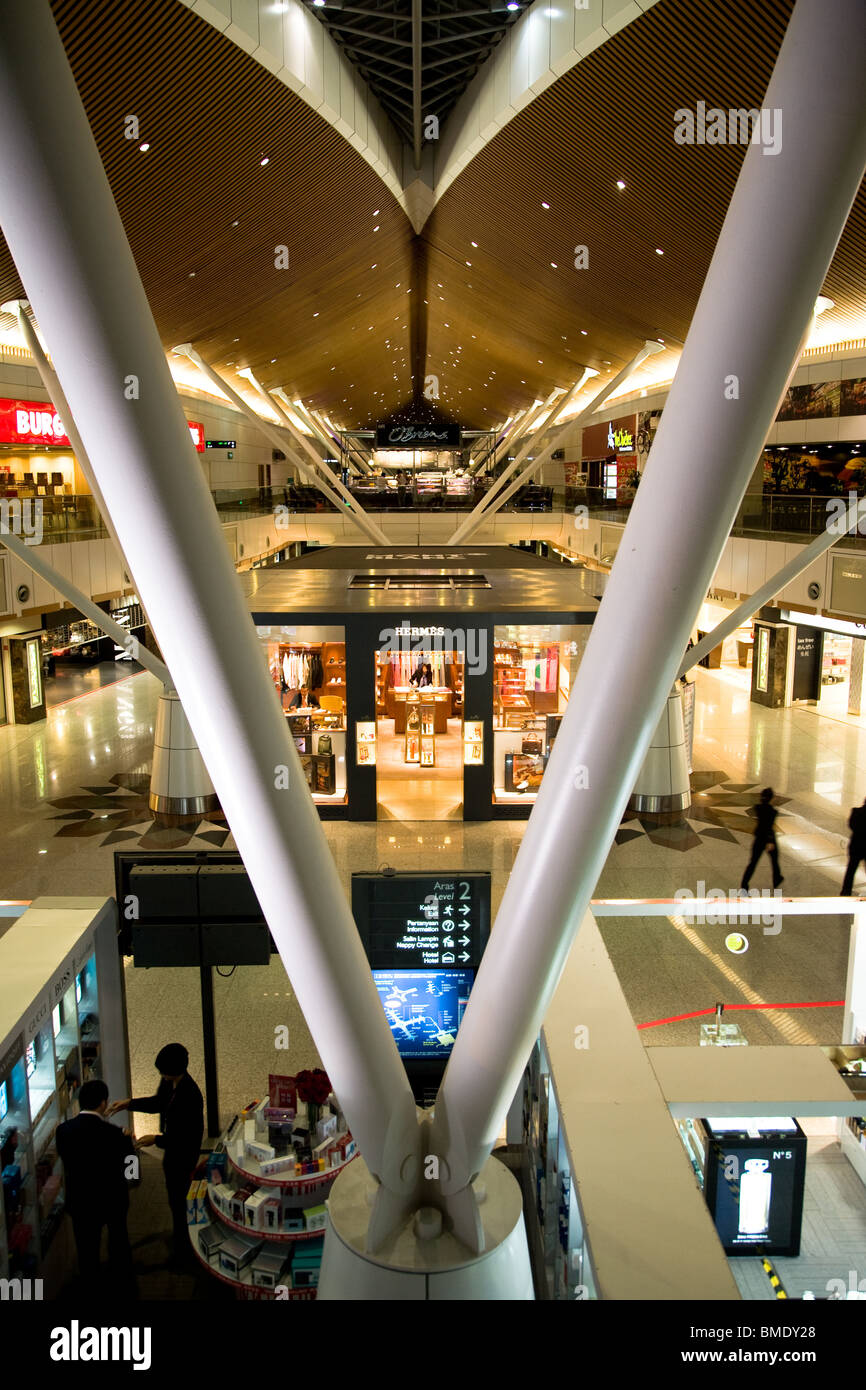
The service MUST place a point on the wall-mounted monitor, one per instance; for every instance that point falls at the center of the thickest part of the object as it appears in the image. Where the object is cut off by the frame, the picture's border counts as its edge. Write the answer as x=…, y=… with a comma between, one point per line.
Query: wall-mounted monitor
x=424, y=1008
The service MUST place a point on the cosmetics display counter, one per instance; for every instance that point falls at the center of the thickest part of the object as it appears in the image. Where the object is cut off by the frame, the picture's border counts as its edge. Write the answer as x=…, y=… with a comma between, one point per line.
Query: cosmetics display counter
x=257, y=1221
x=61, y=1023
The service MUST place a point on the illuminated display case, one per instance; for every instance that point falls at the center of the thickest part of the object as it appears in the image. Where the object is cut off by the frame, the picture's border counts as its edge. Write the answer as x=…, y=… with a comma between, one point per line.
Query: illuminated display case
x=53, y=963
x=365, y=743
x=473, y=742
x=420, y=736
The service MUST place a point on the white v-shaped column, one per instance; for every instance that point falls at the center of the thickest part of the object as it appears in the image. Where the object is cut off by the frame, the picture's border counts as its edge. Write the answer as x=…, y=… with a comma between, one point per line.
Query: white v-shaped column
x=778, y=239
x=787, y=213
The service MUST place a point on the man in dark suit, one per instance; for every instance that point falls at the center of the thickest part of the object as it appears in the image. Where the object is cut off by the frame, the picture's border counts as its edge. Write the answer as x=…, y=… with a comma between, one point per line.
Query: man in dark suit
x=97, y=1165
x=856, y=847
x=178, y=1102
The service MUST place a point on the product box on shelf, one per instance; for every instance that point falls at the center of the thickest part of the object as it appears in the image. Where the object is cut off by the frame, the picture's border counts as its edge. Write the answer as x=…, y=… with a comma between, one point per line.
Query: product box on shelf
x=222, y=1196
x=283, y=1092
x=217, y=1165
x=248, y=1112
x=192, y=1203
x=270, y=1167
x=326, y=1128
x=201, y=1211
x=315, y=1218
x=253, y=1213
x=293, y=1221
x=236, y=1205
x=272, y=1214
x=237, y=1253
x=255, y=1149
x=267, y=1269
x=210, y=1242
x=279, y=1114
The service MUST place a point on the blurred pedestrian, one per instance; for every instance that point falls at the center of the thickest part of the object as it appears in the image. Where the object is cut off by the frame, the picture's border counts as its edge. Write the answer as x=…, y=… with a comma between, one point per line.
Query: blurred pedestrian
x=765, y=838
x=856, y=847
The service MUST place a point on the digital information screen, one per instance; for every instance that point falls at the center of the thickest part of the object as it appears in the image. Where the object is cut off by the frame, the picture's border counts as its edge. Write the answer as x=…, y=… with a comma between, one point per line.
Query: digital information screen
x=407, y=921
x=424, y=1008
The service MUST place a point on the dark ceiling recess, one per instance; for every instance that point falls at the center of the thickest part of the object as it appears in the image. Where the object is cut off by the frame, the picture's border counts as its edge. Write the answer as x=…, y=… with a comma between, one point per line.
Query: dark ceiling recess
x=456, y=39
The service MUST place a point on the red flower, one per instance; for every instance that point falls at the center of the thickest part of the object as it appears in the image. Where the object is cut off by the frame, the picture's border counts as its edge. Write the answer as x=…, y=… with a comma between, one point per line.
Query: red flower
x=313, y=1086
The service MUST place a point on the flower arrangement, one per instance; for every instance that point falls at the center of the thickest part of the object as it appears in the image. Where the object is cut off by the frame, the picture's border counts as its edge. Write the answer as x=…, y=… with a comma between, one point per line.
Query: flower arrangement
x=313, y=1088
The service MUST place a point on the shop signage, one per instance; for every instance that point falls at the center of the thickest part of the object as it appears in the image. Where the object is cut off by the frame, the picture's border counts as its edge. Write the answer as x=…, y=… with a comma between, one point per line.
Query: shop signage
x=417, y=436
x=621, y=440
x=422, y=921
x=196, y=429
x=31, y=422
x=221, y=444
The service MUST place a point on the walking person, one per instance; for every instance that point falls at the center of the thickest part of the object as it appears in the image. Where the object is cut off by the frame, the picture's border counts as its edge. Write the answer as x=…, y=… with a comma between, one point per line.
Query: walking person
x=96, y=1167
x=178, y=1102
x=856, y=847
x=765, y=838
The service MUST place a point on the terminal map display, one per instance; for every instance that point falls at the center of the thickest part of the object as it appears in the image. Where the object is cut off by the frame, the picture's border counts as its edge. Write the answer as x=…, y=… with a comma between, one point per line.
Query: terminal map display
x=424, y=1008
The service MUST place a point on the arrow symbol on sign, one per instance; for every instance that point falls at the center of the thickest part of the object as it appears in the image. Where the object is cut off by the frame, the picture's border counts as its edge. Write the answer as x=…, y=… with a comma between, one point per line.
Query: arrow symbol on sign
x=465, y=911
x=464, y=955
x=464, y=940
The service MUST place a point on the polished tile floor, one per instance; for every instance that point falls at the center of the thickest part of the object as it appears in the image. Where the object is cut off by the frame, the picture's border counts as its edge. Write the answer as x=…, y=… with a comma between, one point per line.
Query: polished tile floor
x=72, y=790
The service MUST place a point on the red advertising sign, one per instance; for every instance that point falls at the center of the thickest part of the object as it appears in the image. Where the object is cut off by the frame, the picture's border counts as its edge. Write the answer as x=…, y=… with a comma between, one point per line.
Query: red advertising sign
x=197, y=432
x=31, y=422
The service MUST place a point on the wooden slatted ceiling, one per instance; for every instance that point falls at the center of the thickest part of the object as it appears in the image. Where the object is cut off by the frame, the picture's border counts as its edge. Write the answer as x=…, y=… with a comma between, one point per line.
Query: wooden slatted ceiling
x=210, y=114
x=609, y=118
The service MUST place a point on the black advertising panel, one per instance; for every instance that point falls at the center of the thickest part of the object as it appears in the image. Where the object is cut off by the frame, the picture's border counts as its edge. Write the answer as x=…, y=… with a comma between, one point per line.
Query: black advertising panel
x=418, y=436
x=431, y=921
x=807, y=664
x=754, y=1179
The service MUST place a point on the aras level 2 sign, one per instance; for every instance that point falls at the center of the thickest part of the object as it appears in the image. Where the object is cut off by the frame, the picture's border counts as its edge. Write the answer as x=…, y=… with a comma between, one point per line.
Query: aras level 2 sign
x=422, y=921
x=31, y=422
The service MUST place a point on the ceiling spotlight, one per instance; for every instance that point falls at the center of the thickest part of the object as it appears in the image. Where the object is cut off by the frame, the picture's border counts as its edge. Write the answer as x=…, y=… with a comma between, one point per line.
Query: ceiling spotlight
x=144, y=148
x=620, y=184
x=659, y=251
x=265, y=161
x=545, y=205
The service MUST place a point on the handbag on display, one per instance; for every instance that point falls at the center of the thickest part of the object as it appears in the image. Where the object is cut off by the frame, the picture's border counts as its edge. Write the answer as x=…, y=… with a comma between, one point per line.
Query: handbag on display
x=531, y=743
x=324, y=743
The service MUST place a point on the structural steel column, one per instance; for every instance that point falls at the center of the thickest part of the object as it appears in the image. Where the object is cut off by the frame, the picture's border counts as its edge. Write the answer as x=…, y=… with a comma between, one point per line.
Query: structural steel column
x=29, y=555
x=778, y=239
x=477, y=515
x=276, y=438
x=317, y=462
x=65, y=234
x=808, y=555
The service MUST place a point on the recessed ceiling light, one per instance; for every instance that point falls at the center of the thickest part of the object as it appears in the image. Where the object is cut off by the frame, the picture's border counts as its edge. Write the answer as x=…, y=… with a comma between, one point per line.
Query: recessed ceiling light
x=659, y=340
x=475, y=243
x=265, y=161
x=375, y=229
x=316, y=314
x=192, y=275
x=583, y=332
x=659, y=251
x=554, y=266
x=620, y=184
x=373, y=267
x=469, y=263
x=144, y=148
x=545, y=205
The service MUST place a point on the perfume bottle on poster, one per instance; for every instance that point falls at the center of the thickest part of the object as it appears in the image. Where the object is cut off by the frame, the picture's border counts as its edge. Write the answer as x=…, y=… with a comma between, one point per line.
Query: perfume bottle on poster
x=755, y=1187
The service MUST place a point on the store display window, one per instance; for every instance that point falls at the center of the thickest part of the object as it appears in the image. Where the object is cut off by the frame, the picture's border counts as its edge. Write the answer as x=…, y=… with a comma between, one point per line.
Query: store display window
x=419, y=745
x=308, y=668
x=533, y=671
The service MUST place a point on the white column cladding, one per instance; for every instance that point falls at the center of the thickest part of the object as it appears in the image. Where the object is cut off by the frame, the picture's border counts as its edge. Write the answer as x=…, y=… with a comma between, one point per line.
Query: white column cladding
x=855, y=679
x=663, y=783
x=65, y=235
x=179, y=781
x=773, y=254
